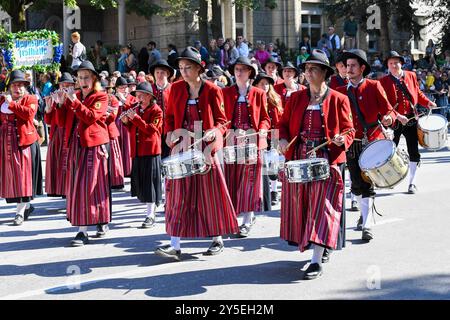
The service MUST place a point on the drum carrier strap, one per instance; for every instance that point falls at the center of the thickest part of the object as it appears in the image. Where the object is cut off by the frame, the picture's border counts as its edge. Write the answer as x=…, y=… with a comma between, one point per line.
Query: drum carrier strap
x=405, y=91
x=366, y=126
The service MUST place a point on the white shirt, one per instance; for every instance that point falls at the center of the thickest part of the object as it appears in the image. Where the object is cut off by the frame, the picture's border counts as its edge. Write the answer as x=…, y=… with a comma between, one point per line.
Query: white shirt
x=336, y=40
x=5, y=108
x=313, y=107
x=350, y=84
x=242, y=99
x=77, y=50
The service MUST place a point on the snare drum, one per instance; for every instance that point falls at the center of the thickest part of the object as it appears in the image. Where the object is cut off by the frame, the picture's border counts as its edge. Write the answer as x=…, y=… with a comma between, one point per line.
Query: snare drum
x=383, y=163
x=273, y=162
x=245, y=154
x=184, y=165
x=307, y=170
x=432, y=131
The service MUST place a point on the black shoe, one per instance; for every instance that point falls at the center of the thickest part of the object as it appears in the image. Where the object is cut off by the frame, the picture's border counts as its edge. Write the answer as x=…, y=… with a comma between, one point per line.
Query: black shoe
x=412, y=189
x=168, y=252
x=274, y=198
x=354, y=206
x=314, y=271
x=18, y=220
x=28, y=212
x=326, y=255
x=214, y=248
x=80, y=240
x=359, y=224
x=102, y=229
x=367, y=234
x=148, y=222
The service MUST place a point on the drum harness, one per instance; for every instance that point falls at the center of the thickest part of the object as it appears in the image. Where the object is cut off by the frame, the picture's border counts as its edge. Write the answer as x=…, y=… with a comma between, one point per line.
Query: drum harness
x=365, y=140
x=408, y=97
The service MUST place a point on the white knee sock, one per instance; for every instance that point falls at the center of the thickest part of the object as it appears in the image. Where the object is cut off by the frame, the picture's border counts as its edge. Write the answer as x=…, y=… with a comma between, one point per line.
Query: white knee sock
x=273, y=186
x=352, y=197
x=151, y=209
x=83, y=229
x=175, y=242
x=317, y=254
x=248, y=216
x=366, y=206
x=412, y=172
x=218, y=239
x=27, y=205
x=20, y=210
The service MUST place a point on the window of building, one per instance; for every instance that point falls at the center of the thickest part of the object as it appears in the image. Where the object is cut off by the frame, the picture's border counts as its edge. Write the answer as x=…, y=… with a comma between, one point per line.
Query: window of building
x=241, y=20
x=311, y=24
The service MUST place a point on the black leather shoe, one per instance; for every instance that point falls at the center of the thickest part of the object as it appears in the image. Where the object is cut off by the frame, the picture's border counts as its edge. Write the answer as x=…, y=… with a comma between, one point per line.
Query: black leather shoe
x=148, y=222
x=359, y=224
x=168, y=252
x=274, y=198
x=214, y=248
x=367, y=234
x=412, y=189
x=354, y=206
x=18, y=220
x=80, y=240
x=326, y=255
x=102, y=229
x=28, y=212
x=314, y=271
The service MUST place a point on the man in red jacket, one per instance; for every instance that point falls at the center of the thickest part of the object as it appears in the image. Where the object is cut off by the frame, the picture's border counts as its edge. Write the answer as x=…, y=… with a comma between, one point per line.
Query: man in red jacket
x=369, y=102
x=339, y=79
x=403, y=91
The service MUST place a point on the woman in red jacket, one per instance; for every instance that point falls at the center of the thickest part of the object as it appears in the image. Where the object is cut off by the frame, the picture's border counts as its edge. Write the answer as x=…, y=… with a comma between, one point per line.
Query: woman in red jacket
x=198, y=205
x=289, y=74
x=246, y=108
x=18, y=139
x=311, y=212
x=275, y=110
x=145, y=126
x=55, y=170
x=88, y=193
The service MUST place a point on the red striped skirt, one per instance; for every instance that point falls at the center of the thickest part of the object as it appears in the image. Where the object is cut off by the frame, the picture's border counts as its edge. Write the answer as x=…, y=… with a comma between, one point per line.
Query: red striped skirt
x=200, y=205
x=245, y=186
x=55, y=169
x=89, y=201
x=311, y=212
x=15, y=162
x=117, y=180
x=125, y=148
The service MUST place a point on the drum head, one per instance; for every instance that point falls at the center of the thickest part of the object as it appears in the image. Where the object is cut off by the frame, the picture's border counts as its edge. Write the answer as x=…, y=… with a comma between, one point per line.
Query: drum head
x=376, y=154
x=433, y=122
x=182, y=157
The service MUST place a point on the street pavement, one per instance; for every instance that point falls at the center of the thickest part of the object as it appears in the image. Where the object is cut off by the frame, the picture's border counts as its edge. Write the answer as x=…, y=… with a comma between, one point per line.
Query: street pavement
x=409, y=257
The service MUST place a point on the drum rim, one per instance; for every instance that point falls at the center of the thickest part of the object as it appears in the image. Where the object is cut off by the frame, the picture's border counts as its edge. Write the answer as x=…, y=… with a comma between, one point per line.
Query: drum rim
x=433, y=130
x=389, y=158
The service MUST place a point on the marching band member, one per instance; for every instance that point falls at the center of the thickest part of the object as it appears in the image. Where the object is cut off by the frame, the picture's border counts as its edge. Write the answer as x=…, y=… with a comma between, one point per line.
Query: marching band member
x=403, y=91
x=125, y=102
x=369, y=102
x=162, y=72
x=88, y=190
x=145, y=121
x=199, y=205
x=18, y=145
x=340, y=79
x=289, y=74
x=311, y=212
x=56, y=163
x=246, y=108
x=275, y=110
x=271, y=67
x=116, y=163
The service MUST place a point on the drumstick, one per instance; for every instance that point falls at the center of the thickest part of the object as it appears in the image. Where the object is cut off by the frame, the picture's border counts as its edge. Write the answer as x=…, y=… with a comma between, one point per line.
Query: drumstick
x=291, y=142
x=253, y=134
x=201, y=139
x=329, y=141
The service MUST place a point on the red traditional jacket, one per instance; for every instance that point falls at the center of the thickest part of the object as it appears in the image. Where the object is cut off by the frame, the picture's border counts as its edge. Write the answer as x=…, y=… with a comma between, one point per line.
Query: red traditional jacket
x=336, y=118
x=163, y=100
x=145, y=132
x=396, y=97
x=91, y=113
x=24, y=111
x=374, y=105
x=282, y=90
x=111, y=118
x=336, y=81
x=210, y=107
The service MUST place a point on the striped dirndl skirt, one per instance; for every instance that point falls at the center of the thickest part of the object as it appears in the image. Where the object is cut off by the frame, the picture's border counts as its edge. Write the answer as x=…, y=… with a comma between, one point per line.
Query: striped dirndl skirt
x=117, y=176
x=15, y=164
x=125, y=148
x=311, y=212
x=55, y=173
x=200, y=205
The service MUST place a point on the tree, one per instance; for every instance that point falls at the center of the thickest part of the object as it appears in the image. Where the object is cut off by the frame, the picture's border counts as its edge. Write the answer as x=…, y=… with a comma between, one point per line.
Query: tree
x=399, y=12
x=441, y=14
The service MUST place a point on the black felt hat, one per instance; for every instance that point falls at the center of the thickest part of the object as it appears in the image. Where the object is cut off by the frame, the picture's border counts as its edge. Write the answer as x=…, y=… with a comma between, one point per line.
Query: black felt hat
x=162, y=64
x=318, y=57
x=245, y=62
x=360, y=55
